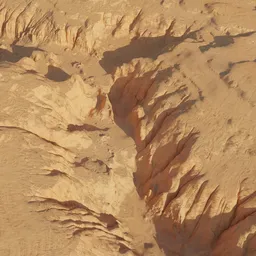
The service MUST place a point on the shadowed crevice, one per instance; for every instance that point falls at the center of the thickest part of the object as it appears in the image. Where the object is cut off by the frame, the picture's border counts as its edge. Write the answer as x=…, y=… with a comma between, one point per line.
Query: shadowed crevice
x=18, y=52
x=231, y=65
x=204, y=235
x=143, y=47
x=85, y=127
x=223, y=41
x=56, y=74
x=131, y=91
x=158, y=171
x=109, y=220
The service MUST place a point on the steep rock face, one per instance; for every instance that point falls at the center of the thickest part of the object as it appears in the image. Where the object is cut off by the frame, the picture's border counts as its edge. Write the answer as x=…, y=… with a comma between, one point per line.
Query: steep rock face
x=127, y=128
x=178, y=143
x=69, y=167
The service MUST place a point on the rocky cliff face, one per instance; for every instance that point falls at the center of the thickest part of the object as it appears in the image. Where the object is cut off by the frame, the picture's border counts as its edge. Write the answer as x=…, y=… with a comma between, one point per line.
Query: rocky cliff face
x=127, y=128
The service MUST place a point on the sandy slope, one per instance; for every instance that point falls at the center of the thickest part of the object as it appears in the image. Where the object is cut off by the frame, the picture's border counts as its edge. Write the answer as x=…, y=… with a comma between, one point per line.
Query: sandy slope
x=127, y=128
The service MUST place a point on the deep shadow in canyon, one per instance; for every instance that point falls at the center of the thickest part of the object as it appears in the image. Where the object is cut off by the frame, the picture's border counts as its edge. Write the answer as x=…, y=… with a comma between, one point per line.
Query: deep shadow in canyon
x=204, y=235
x=143, y=47
x=18, y=52
x=207, y=235
x=223, y=41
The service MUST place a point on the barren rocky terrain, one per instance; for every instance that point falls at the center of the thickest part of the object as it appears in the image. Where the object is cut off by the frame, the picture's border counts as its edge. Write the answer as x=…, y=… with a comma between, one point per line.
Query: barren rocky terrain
x=127, y=128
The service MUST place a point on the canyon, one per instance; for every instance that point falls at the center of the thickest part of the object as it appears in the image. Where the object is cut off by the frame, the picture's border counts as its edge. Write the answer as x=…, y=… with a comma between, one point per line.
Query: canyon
x=127, y=128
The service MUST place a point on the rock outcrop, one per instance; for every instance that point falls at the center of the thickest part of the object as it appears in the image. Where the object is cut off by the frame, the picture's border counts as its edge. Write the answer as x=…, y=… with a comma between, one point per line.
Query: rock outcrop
x=127, y=128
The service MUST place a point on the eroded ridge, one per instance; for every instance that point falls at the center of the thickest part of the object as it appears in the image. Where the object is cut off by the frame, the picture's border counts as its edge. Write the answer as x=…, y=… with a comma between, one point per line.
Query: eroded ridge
x=127, y=128
x=152, y=106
